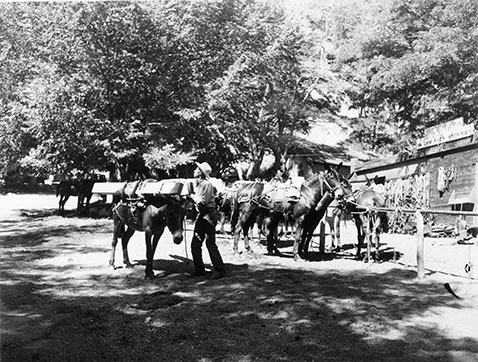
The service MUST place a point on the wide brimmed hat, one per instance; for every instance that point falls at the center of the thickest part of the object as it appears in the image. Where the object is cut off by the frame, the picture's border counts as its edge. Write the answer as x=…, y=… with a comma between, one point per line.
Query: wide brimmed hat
x=204, y=167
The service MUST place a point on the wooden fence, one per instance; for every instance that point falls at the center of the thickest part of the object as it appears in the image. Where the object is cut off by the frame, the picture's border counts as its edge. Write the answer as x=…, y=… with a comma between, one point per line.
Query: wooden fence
x=420, y=234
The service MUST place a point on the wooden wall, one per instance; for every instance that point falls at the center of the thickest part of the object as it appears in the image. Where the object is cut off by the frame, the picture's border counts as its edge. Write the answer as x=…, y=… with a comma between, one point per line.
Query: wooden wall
x=463, y=189
x=462, y=192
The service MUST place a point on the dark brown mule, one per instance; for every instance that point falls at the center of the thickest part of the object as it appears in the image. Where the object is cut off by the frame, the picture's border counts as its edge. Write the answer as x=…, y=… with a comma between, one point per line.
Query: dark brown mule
x=161, y=211
x=339, y=211
x=81, y=188
x=224, y=201
x=248, y=204
x=369, y=222
x=316, y=195
x=64, y=189
x=84, y=192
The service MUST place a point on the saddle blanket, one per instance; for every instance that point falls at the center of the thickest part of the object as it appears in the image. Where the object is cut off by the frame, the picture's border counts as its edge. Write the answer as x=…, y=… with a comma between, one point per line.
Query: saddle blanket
x=275, y=197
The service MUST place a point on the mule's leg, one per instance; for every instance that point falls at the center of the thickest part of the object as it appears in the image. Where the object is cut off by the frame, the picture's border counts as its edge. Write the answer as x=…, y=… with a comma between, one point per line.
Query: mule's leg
x=87, y=204
x=79, y=205
x=375, y=235
x=298, y=240
x=222, y=221
x=61, y=206
x=313, y=221
x=259, y=220
x=298, y=236
x=271, y=228
x=150, y=250
x=367, y=235
x=336, y=233
x=237, y=235
x=248, y=225
x=242, y=226
x=360, y=234
x=280, y=230
x=124, y=243
x=330, y=222
x=117, y=228
x=156, y=237
x=307, y=236
x=63, y=200
x=149, y=255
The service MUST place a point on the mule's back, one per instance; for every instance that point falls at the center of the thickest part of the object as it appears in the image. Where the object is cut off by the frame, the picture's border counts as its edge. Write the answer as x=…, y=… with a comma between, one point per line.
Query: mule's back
x=249, y=191
x=369, y=198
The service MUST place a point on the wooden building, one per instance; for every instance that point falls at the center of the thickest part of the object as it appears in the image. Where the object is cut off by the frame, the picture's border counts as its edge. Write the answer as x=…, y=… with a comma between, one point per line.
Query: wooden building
x=306, y=158
x=441, y=173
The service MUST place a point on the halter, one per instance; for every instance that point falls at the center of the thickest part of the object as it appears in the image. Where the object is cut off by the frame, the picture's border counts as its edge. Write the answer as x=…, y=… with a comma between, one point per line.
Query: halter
x=323, y=180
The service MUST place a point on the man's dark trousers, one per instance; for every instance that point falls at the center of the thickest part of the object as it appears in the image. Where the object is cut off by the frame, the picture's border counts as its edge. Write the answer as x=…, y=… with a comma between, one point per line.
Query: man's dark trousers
x=205, y=231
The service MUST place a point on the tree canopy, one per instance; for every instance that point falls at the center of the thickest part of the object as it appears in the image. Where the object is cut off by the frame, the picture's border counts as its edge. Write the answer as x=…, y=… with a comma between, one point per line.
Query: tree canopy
x=410, y=63
x=138, y=88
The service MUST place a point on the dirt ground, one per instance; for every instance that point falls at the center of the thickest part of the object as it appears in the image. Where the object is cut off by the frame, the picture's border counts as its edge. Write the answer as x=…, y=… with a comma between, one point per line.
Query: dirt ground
x=61, y=302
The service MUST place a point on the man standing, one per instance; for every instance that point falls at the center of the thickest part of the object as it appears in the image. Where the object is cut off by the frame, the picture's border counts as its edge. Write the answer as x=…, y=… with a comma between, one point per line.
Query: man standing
x=205, y=227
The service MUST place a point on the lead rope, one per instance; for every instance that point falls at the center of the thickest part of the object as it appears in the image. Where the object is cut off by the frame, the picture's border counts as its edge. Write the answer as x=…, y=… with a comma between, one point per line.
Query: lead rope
x=185, y=241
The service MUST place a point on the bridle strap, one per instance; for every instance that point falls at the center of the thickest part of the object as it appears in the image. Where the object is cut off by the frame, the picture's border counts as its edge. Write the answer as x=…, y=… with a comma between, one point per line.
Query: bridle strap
x=331, y=189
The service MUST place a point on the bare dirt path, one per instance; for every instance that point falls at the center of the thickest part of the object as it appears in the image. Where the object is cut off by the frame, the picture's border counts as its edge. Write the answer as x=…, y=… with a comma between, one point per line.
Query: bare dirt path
x=61, y=302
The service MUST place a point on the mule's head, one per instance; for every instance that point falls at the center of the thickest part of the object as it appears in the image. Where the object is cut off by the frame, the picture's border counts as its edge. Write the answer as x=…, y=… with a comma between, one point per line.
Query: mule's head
x=175, y=214
x=339, y=186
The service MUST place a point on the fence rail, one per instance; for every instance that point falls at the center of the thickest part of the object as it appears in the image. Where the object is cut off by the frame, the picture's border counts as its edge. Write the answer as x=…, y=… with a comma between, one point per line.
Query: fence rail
x=423, y=211
x=420, y=234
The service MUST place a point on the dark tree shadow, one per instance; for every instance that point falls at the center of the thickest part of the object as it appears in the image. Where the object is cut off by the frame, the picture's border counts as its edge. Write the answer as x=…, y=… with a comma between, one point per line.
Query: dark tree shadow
x=257, y=313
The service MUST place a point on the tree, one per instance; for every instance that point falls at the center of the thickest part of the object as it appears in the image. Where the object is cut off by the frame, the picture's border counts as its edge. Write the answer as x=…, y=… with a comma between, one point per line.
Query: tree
x=29, y=34
x=413, y=66
x=264, y=97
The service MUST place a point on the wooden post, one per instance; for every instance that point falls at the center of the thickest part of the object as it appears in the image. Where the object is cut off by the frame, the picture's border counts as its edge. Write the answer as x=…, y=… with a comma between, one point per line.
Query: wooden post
x=368, y=235
x=323, y=205
x=420, y=245
x=322, y=235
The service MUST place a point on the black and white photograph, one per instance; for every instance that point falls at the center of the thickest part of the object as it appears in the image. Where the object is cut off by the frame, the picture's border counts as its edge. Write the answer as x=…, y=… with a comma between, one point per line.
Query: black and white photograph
x=239, y=181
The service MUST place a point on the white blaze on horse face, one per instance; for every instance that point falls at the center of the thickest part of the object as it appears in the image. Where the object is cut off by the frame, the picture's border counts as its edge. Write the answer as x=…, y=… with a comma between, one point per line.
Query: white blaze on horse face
x=339, y=193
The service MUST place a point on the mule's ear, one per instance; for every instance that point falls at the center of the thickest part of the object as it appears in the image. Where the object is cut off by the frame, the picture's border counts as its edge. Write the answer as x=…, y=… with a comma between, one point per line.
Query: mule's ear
x=327, y=167
x=339, y=166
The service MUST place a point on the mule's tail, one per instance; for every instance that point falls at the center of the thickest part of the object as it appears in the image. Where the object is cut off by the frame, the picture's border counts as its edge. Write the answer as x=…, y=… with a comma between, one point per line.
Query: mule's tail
x=57, y=189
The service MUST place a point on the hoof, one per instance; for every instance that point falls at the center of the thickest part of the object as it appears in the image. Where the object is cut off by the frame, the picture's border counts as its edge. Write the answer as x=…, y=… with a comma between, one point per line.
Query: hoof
x=297, y=257
x=149, y=277
x=129, y=265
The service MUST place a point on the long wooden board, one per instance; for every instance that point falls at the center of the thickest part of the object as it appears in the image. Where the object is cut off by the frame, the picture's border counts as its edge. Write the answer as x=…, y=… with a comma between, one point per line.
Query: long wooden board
x=165, y=187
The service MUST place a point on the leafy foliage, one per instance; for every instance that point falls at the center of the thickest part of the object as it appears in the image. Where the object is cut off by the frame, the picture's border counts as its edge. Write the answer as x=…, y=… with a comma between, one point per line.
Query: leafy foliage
x=166, y=158
x=133, y=87
x=413, y=66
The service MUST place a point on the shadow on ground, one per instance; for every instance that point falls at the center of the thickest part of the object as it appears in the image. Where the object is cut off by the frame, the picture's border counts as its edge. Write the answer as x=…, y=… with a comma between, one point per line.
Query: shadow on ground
x=257, y=313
